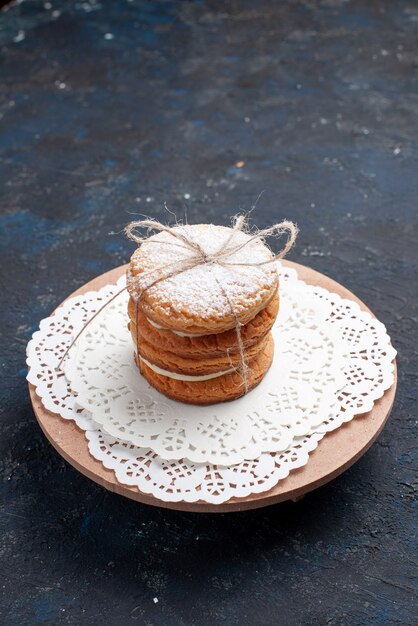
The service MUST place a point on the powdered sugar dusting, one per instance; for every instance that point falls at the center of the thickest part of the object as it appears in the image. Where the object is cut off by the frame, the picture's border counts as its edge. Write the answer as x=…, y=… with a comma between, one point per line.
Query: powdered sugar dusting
x=196, y=292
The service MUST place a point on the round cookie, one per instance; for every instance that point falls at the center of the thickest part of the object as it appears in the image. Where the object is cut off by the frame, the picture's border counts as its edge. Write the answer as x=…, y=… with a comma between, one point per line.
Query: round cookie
x=206, y=297
x=205, y=346
x=226, y=387
x=196, y=367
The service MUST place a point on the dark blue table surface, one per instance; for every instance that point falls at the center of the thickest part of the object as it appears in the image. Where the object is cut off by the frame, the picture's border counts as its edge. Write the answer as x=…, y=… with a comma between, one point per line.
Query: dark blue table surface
x=109, y=109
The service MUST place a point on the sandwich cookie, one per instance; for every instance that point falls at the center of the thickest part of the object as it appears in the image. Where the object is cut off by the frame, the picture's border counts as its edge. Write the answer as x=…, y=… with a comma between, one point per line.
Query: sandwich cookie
x=201, y=346
x=184, y=312
x=212, y=388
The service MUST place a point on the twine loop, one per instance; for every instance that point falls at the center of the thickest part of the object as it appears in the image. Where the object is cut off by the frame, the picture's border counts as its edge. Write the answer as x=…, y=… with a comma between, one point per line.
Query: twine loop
x=227, y=248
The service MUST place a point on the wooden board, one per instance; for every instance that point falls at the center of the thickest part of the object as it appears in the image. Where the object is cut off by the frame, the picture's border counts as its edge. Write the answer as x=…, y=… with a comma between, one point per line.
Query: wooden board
x=335, y=453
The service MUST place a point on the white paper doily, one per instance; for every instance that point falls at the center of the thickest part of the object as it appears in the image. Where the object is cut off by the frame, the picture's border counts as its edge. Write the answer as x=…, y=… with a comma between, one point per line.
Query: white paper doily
x=175, y=481
x=297, y=396
x=368, y=373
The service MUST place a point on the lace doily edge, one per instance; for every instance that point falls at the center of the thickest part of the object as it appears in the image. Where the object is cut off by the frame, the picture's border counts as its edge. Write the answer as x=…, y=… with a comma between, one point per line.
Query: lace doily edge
x=192, y=497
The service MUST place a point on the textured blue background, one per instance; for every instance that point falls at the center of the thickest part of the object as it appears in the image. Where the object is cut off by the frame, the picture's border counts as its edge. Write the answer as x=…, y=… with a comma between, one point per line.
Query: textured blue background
x=111, y=108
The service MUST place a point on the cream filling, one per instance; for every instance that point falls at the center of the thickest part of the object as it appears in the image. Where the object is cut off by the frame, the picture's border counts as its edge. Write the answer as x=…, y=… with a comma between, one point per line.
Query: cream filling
x=185, y=377
x=176, y=332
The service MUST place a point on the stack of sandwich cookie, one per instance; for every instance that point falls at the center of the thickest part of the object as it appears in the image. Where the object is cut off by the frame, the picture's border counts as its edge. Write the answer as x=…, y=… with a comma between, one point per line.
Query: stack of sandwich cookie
x=184, y=312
